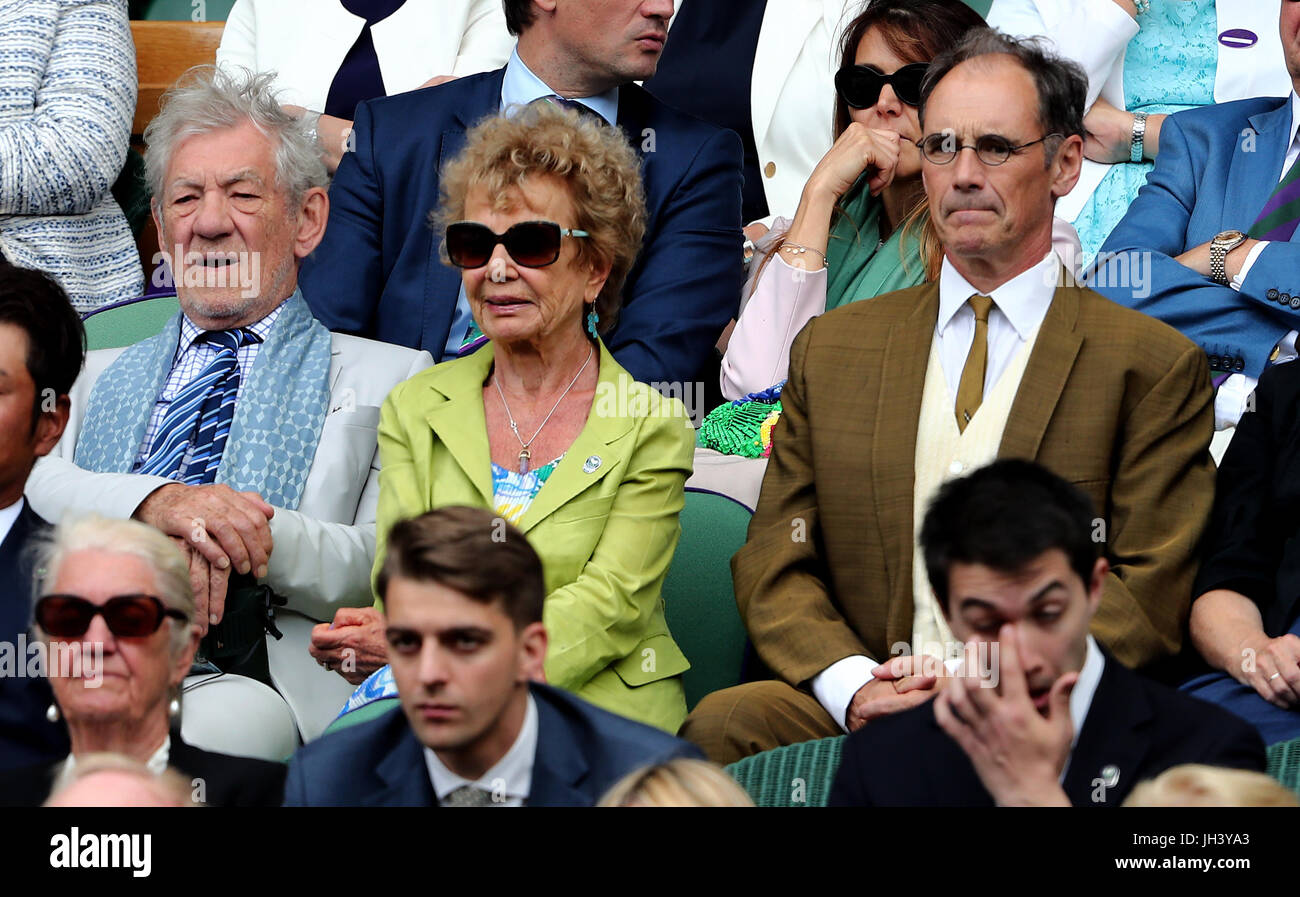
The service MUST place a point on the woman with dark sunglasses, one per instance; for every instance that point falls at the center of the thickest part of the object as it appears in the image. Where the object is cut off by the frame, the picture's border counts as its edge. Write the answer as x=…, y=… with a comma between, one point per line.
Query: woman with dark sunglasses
x=544, y=213
x=861, y=228
x=114, y=619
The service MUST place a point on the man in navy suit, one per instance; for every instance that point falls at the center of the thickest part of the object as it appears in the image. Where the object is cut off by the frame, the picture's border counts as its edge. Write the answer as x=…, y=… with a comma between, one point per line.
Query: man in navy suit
x=463, y=594
x=379, y=270
x=1210, y=244
x=42, y=347
x=1039, y=714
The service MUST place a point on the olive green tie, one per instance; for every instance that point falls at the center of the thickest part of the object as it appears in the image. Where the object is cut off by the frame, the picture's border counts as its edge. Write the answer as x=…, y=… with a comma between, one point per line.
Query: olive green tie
x=970, y=392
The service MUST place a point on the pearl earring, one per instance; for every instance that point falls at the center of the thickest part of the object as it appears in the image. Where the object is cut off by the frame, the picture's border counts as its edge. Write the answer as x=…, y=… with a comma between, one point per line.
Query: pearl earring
x=52, y=713
x=174, y=709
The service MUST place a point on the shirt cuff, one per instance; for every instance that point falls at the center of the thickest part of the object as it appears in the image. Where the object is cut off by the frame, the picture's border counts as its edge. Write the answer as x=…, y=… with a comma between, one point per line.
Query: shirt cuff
x=1240, y=277
x=1230, y=400
x=835, y=686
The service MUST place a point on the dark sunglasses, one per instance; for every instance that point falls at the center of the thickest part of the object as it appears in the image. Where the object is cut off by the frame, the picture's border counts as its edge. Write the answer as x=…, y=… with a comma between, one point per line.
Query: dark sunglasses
x=533, y=244
x=992, y=149
x=127, y=616
x=860, y=85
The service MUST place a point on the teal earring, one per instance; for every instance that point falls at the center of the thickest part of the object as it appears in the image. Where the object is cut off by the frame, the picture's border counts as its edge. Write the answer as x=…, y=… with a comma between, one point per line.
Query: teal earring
x=592, y=320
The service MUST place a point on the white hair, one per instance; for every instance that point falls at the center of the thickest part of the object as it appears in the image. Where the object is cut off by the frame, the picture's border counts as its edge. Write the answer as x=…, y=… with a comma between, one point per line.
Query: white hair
x=91, y=532
x=207, y=99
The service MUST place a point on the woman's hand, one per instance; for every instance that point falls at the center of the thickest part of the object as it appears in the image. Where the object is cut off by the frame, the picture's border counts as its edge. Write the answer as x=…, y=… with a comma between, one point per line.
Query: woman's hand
x=1271, y=666
x=857, y=150
x=1109, y=133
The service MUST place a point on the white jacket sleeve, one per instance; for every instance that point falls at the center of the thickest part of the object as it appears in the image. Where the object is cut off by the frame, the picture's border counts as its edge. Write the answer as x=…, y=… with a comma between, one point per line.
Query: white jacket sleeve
x=1093, y=33
x=485, y=44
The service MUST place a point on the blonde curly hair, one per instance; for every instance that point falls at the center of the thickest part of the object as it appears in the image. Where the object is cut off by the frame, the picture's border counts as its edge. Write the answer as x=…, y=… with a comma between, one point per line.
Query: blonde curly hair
x=595, y=163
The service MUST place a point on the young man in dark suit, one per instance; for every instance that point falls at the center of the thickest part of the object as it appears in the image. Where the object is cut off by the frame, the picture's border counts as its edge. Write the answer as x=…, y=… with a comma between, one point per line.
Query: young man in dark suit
x=378, y=272
x=463, y=594
x=1039, y=714
x=42, y=347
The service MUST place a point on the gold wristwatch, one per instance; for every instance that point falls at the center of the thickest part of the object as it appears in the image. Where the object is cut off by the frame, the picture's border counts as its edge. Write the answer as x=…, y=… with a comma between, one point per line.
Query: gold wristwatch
x=1220, y=246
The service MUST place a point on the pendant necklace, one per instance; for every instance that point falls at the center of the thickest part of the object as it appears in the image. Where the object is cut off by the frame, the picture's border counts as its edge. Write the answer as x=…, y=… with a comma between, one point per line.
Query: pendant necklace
x=524, y=454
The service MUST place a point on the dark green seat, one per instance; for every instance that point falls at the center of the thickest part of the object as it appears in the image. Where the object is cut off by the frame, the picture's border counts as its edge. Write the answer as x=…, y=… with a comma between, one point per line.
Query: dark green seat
x=797, y=775
x=126, y=323
x=1284, y=763
x=363, y=713
x=699, y=601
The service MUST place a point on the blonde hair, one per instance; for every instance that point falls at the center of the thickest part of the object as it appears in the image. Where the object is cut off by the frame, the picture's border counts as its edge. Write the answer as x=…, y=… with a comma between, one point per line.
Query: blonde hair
x=681, y=782
x=91, y=532
x=594, y=162
x=1197, y=785
x=170, y=786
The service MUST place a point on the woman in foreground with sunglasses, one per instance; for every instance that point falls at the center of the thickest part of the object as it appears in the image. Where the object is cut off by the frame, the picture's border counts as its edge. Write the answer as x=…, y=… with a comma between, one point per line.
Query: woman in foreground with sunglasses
x=861, y=228
x=114, y=618
x=544, y=214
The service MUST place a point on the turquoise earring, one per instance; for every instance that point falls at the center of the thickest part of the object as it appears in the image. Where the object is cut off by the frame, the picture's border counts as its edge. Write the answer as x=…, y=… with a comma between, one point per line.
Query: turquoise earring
x=592, y=320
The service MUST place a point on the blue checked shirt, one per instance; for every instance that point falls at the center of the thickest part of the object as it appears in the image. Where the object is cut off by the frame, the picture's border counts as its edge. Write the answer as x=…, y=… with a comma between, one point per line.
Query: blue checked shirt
x=190, y=360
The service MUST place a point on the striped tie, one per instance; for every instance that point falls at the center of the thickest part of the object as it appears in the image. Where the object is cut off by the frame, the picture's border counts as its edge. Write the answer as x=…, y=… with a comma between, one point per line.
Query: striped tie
x=1281, y=213
x=199, y=418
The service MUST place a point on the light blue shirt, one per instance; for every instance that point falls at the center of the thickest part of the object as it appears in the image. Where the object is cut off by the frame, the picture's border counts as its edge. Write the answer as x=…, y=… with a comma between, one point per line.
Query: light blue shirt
x=520, y=87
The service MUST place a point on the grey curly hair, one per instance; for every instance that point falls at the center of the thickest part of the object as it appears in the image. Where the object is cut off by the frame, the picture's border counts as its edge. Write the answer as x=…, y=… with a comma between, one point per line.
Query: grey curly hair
x=208, y=98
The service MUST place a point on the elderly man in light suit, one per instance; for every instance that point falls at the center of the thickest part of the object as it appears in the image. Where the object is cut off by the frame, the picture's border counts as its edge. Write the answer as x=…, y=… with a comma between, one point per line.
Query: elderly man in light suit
x=245, y=430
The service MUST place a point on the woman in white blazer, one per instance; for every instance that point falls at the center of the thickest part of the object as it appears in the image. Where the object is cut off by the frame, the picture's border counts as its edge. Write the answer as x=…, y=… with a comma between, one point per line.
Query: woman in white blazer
x=1175, y=53
x=306, y=42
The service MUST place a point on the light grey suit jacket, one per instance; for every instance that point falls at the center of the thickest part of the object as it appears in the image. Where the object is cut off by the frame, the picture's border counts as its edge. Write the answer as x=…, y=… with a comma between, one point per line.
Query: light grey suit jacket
x=323, y=551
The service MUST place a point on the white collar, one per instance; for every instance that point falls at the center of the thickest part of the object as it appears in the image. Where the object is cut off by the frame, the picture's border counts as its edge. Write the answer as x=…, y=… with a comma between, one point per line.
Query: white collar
x=520, y=87
x=1023, y=299
x=1295, y=119
x=8, y=516
x=512, y=775
x=1094, y=662
x=157, y=763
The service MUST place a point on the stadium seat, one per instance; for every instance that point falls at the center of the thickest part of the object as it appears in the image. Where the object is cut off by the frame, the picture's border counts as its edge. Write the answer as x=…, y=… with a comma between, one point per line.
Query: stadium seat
x=699, y=601
x=365, y=712
x=1284, y=763
x=797, y=775
x=126, y=323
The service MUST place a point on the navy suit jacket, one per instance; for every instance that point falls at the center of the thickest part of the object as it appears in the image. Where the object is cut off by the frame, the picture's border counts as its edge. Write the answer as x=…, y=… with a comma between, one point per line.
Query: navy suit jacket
x=1217, y=167
x=581, y=752
x=1138, y=727
x=26, y=737
x=378, y=272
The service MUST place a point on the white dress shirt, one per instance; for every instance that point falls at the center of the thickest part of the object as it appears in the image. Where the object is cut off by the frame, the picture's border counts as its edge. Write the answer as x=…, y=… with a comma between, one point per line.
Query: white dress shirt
x=7, y=518
x=512, y=776
x=519, y=87
x=1019, y=306
x=1230, y=400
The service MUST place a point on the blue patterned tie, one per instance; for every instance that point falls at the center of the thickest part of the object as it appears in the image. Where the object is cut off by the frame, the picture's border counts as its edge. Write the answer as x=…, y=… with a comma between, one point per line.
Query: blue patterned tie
x=200, y=415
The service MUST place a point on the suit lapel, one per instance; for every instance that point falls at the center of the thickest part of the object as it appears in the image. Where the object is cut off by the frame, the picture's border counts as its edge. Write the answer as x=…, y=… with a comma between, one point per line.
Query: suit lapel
x=1111, y=745
x=459, y=422
x=601, y=439
x=403, y=772
x=1050, y=362
x=1253, y=176
x=780, y=41
x=560, y=763
x=893, y=450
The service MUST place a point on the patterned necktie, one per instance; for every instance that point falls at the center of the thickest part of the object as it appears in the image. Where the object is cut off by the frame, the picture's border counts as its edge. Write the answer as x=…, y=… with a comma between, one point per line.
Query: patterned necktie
x=970, y=392
x=199, y=418
x=583, y=110
x=1278, y=219
x=467, y=796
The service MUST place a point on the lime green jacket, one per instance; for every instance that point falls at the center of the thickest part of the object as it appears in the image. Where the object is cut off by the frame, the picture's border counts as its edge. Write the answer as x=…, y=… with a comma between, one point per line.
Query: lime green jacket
x=604, y=524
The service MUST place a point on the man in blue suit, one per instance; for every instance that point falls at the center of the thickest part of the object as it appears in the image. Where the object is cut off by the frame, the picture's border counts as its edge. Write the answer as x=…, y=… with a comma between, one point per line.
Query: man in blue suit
x=463, y=594
x=1210, y=244
x=379, y=270
x=41, y=352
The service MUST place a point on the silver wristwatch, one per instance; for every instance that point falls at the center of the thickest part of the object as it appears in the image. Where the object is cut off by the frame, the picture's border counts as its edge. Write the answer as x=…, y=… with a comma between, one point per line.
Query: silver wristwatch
x=1220, y=246
x=1135, y=146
